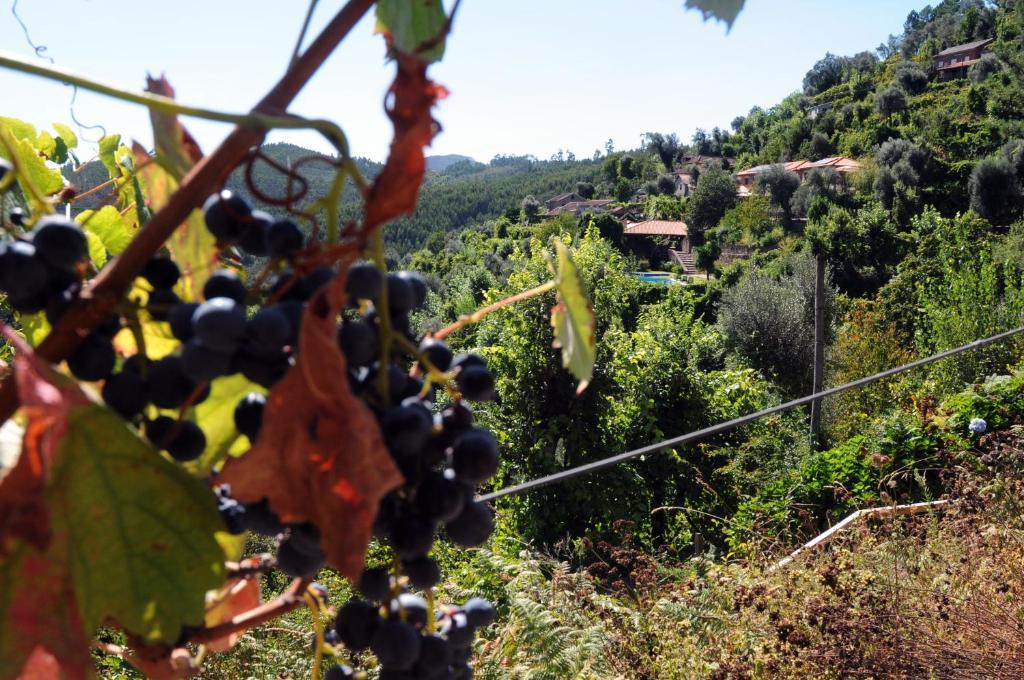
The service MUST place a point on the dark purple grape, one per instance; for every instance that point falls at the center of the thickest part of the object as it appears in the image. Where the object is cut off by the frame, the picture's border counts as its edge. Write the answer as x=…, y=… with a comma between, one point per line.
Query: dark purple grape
x=219, y=323
x=435, y=656
x=180, y=318
x=202, y=364
x=396, y=645
x=437, y=353
x=441, y=498
x=161, y=302
x=297, y=563
x=293, y=311
x=17, y=217
x=270, y=329
x=472, y=527
x=479, y=612
x=458, y=630
x=60, y=242
x=476, y=383
x=406, y=429
x=356, y=623
x=59, y=304
x=401, y=297
x=233, y=514
x=253, y=238
x=375, y=584
x=23, y=275
x=225, y=283
x=284, y=238
x=161, y=272
x=456, y=418
x=305, y=536
x=260, y=519
x=387, y=513
x=183, y=440
x=418, y=287
x=411, y=536
x=125, y=393
x=475, y=456
x=110, y=326
x=169, y=385
x=249, y=414
x=262, y=369
x=226, y=214
x=397, y=381
x=319, y=277
x=94, y=359
x=288, y=286
x=410, y=608
x=364, y=282
x=358, y=341
x=423, y=573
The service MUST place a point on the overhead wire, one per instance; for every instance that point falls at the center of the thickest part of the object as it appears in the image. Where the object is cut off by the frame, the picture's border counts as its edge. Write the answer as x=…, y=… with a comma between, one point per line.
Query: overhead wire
x=728, y=425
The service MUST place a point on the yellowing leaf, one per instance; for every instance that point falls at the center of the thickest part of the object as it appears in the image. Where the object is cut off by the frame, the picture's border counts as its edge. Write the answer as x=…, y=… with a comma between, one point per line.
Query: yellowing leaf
x=46, y=144
x=112, y=230
x=572, y=318
x=216, y=415
x=107, y=150
x=97, y=253
x=414, y=25
x=66, y=134
x=47, y=180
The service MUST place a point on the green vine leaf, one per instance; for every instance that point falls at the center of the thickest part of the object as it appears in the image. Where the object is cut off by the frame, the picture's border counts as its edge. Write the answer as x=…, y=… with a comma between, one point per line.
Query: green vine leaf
x=572, y=318
x=66, y=134
x=113, y=231
x=107, y=154
x=119, y=533
x=216, y=416
x=723, y=10
x=414, y=25
x=46, y=179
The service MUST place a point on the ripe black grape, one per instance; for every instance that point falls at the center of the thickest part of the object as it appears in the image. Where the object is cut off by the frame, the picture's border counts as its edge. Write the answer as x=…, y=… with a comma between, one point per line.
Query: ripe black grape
x=437, y=353
x=472, y=527
x=219, y=323
x=284, y=238
x=396, y=644
x=233, y=514
x=423, y=572
x=60, y=242
x=183, y=440
x=479, y=612
x=356, y=623
x=296, y=562
x=406, y=429
x=23, y=275
x=253, y=238
x=458, y=630
x=475, y=456
x=125, y=393
x=249, y=414
x=270, y=329
x=476, y=383
x=261, y=519
x=411, y=536
x=440, y=497
x=411, y=608
x=435, y=656
x=290, y=286
x=161, y=302
x=226, y=214
x=375, y=584
x=225, y=283
x=17, y=217
x=94, y=359
x=418, y=287
x=364, y=282
x=339, y=672
x=180, y=318
x=358, y=341
x=319, y=277
x=161, y=272
x=401, y=297
x=203, y=364
x=5, y=167
x=305, y=536
x=264, y=370
x=169, y=385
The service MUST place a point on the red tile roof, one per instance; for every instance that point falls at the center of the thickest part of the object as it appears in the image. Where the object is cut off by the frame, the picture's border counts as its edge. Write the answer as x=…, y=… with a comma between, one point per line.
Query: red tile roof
x=966, y=47
x=657, y=228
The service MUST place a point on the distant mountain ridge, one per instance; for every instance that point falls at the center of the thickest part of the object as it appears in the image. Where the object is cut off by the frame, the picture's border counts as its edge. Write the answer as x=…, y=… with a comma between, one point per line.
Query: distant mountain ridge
x=439, y=163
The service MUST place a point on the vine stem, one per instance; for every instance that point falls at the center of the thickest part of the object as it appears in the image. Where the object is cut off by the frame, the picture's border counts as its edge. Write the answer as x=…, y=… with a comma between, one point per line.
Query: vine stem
x=255, y=119
x=479, y=314
x=293, y=598
x=107, y=289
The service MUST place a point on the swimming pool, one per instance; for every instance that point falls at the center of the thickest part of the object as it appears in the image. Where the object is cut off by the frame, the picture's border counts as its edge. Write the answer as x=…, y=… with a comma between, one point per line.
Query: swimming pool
x=662, y=278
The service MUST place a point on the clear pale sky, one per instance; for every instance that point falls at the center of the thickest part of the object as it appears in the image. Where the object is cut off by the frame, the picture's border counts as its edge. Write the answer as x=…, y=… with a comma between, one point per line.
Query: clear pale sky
x=526, y=76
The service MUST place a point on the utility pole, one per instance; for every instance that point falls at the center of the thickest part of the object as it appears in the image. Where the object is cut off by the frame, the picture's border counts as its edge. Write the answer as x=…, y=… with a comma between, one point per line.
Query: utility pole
x=819, y=347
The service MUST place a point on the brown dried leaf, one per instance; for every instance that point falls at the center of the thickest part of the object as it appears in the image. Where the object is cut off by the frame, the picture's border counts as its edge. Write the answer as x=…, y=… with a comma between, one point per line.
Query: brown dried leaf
x=320, y=456
x=238, y=596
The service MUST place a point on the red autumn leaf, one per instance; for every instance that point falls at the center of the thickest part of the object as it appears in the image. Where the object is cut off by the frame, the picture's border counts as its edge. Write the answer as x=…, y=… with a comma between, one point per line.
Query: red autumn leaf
x=23, y=509
x=395, y=189
x=320, y=456
x=238, y=596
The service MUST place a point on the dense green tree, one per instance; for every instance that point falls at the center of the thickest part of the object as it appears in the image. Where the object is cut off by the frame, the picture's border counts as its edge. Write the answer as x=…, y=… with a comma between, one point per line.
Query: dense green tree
x=995, y=194
x=628, y=167
x=986, y=66
x=666, y=184
x=779, y=185
x=714, y=194
x=911, y=77
x=666, y=147
x=707, y=255
x=821, y=146
x=825, y=74
x=531, y=208
x=823, y=183
x=890, y=101
x=585, y=189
